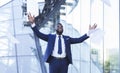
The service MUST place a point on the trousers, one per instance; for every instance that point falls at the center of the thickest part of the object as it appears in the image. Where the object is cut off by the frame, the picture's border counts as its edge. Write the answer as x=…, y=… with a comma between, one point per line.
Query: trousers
x=58, y=65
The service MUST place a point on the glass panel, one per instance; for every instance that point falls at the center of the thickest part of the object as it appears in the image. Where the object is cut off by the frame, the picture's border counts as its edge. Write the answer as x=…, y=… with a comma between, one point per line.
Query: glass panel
x=26, y=45
x=28, y=64
x=85, y=67
x=20, y=29
x=7, y=40
x=5, y=13
x=17, y=12
x=5, y=3
x=97, y=48
x=107, y=51
x=7, y=48
x=111, y=41
x=8, y=65
x=17, y=2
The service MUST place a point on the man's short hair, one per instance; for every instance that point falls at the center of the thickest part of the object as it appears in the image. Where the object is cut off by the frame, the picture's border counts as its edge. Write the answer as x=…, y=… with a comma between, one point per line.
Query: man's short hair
x=59, y=23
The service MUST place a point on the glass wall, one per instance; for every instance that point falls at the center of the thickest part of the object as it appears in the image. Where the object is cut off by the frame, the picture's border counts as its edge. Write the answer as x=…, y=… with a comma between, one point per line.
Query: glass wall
x=103, y=47
x=16, y=45
x=98, y=54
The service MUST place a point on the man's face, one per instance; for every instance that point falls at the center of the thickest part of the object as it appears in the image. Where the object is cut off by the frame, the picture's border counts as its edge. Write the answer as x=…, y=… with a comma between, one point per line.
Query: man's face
x=59, y=29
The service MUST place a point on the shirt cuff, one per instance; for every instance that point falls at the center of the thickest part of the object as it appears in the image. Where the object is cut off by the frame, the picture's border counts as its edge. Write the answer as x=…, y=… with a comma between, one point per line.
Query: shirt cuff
x=90, y=32
x=33, y=25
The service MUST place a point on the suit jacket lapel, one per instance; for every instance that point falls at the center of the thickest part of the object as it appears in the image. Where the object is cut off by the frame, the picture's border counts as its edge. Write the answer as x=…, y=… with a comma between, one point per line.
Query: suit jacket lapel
x=65, y=41
x=53, y=39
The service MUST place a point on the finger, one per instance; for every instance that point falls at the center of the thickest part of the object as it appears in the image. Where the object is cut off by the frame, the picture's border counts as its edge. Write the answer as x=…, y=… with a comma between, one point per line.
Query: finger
x=29, y=14
x=92, y=27
x=89, y=26
x=95, y=25
x=33, y=16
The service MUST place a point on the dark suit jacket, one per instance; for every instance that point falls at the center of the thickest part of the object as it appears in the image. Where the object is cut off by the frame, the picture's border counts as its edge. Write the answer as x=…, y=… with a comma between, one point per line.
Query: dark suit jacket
x=50, y=38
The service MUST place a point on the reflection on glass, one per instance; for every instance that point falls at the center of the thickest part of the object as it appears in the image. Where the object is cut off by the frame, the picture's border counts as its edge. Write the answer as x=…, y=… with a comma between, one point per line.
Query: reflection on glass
x=8, y=65
x=3, y=2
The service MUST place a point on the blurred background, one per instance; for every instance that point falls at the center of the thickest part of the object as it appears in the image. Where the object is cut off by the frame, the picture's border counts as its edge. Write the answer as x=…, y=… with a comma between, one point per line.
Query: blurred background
x=22, y=52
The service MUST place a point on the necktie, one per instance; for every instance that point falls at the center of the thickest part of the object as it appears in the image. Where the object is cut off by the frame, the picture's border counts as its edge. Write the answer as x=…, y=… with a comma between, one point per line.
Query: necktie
x=59, y=45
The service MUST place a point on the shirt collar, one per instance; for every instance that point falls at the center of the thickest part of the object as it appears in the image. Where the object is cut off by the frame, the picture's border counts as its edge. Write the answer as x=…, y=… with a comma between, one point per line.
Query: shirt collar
x=59, y=35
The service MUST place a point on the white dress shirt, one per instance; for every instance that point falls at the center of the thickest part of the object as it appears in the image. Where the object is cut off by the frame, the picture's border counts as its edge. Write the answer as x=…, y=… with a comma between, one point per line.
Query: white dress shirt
x=55, y=50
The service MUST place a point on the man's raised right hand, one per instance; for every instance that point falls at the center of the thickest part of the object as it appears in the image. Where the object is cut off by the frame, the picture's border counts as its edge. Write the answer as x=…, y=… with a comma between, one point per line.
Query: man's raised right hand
x=31, y=18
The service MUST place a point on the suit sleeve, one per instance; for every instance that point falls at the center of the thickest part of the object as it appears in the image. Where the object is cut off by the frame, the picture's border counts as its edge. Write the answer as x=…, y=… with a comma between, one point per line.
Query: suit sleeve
x=39, y=34
x=79, y=40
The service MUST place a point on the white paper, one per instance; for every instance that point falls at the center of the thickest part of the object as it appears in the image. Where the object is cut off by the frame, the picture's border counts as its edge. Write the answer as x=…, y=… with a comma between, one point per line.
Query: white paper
x=97, y=36
x=32, y=7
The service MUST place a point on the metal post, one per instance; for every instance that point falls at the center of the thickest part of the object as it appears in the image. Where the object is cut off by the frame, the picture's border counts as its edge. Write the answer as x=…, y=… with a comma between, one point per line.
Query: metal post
x=39, y=54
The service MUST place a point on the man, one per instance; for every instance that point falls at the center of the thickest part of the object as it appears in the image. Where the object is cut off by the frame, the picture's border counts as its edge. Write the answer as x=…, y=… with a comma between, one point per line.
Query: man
x=58, y=51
